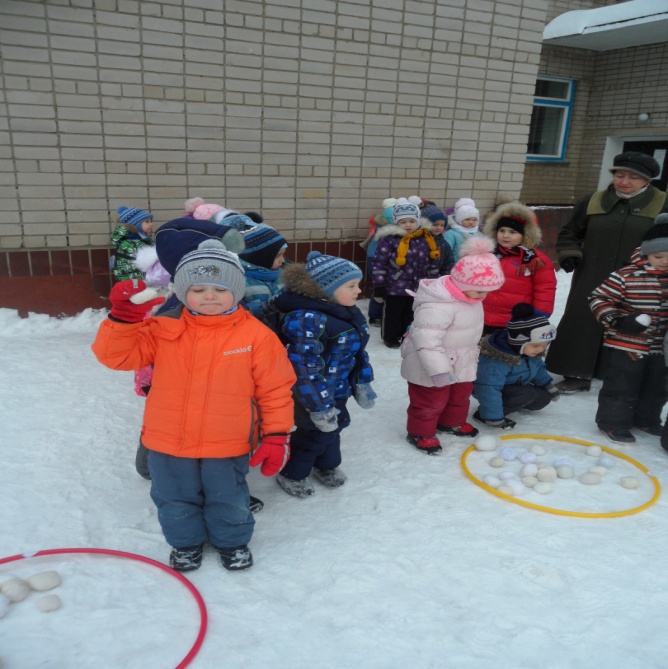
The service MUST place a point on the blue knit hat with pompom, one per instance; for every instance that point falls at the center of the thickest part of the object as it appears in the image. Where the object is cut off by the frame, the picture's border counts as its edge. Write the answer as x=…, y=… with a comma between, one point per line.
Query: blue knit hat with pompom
x=133, y=216
x=331, y=273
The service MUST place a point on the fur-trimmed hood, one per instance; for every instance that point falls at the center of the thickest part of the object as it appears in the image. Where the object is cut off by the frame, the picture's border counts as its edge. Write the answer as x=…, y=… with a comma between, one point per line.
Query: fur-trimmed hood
x=532, y=233
x=296, y=279
x=393, y=230
x=495, y=353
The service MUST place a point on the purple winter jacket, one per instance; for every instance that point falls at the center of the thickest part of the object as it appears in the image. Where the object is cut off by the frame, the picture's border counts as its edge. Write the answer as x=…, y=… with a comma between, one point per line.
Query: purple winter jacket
x=386, y=273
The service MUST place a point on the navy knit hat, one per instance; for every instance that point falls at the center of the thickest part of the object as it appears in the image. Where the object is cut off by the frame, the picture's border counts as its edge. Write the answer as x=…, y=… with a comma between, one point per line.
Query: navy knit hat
x=331, y=273
x=133, y=216
x=211, y=264
x=527, y=327
x=655, y=239
x=262, y=245
x=433, y=213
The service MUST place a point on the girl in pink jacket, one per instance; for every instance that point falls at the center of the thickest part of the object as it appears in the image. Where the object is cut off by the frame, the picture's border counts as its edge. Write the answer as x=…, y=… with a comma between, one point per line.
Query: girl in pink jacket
x=440, y=352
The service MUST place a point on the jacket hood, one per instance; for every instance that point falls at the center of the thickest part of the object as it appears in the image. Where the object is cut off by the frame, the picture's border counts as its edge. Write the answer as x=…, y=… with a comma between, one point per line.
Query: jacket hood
x=495, y=346
x=432, y=290
x=532, y=234
x=297, y=280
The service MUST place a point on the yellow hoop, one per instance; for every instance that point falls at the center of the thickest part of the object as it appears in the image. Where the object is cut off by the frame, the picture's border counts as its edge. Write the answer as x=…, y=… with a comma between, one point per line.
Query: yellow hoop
x=558, y=512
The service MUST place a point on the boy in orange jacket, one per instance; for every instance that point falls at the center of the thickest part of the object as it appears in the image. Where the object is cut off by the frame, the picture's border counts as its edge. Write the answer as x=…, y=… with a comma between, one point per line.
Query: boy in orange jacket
x=221, y=380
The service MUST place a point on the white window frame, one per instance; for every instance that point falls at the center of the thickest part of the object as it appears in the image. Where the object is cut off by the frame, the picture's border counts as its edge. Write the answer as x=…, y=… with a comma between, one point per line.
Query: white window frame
x=565, y=103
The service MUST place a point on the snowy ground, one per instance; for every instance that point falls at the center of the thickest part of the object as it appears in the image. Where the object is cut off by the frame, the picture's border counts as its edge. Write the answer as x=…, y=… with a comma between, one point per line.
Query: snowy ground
x=408, y=565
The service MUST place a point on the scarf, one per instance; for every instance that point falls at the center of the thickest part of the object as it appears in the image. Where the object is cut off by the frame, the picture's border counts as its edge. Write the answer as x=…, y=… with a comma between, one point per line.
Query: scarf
x=463, y=230
x=402, y=249
x=530, y=263
x=624, y=196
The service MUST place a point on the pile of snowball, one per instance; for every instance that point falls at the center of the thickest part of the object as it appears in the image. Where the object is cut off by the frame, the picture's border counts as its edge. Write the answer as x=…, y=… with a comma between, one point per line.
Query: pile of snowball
x=536, y=473
x=16, y=590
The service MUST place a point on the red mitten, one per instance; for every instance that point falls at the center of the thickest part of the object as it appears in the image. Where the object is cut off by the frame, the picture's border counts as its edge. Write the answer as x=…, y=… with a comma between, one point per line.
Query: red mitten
x=131, y=301
x=273, y=453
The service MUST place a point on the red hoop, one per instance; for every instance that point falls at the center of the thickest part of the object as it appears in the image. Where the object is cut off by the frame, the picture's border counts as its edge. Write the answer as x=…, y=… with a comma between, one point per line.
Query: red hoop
x=139, y=558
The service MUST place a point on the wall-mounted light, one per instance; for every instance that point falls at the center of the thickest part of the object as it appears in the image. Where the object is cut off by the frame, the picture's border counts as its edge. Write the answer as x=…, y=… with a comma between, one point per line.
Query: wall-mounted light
x=643, y=116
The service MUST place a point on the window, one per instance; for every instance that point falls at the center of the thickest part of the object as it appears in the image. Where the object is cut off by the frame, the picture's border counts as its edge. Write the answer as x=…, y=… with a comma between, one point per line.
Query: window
x=550, y=119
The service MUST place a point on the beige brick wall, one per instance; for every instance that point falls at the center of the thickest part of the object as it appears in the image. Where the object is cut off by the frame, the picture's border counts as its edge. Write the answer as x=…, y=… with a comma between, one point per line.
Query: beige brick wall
x=310, y=112
x=612, y=88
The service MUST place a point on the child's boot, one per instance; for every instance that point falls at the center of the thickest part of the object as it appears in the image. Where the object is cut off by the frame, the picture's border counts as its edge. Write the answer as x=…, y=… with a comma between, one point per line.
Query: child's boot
x=301, y=488
x=256, y=504
x=463, y=430
x=186, y=559
x=236, y=559
x=428, y=445
x=332, y=478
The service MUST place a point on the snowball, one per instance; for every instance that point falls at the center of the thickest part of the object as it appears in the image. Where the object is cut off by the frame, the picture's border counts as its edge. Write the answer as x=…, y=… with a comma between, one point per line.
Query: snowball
x=497, y=462
x=540, y=465
x=508, y=453
x=504, y=476
x=547, y=474
x=506, y=490
x=598, y=469
x=594, y=451
x=629, y=482
x=562, y=461
x=146, y=295
x=605, y=462
x=543, y=487
x=4, y=605
x=590, y=478
x=537, y=449
x=644, y=319
x=529, y=481
x=486, y=442
x=46, y=580
x=491, y=481
x=565, y=472
x=527, y=458
x=517, y=486
x=15, y=589
x=529, y=470
x=49, y=603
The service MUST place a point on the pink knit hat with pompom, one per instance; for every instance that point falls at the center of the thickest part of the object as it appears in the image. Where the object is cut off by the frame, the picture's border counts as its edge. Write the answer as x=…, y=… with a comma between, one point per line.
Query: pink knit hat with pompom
x=477, y=268
x=202, y=210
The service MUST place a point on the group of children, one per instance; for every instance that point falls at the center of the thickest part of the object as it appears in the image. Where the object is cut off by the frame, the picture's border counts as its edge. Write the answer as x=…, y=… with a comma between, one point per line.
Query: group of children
x=226, y=385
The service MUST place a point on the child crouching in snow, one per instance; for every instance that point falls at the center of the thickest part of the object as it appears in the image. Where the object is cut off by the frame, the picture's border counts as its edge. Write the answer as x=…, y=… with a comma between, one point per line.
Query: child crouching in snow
x=440, y=352
x=511, y=370
x=221, y=380
x=326, y=336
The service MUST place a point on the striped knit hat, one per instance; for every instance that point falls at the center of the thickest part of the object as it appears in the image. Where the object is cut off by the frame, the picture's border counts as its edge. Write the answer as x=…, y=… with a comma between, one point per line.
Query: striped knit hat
x=210, y=265
x=656, y=238
x=405, y=209
x=262, y=245
x=527, y=327
x=329, y=272
x=133, y=216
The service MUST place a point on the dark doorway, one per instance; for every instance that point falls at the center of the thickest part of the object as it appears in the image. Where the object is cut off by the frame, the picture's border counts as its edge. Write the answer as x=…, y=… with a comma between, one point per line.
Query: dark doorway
x=658, y=149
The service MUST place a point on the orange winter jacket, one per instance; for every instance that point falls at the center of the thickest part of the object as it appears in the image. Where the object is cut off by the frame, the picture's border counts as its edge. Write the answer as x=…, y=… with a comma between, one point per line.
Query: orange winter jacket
x=218, y=381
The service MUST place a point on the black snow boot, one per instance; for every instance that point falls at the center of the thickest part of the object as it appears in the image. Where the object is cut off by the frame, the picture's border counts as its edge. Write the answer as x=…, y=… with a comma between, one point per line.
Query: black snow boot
x=235, y=559
x=186, y=559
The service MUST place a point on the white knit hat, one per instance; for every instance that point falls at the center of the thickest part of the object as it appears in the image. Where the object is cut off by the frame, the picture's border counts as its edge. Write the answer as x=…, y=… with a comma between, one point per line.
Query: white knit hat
x=466, y=211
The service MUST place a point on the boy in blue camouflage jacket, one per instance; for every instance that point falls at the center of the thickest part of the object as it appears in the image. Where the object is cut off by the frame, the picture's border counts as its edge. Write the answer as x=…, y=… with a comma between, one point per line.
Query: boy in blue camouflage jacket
x=326, y=335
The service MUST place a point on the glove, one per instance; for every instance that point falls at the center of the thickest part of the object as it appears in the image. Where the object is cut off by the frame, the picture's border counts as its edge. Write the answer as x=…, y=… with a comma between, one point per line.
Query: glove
x=365, y=396
x=131, y=301
x=630, y=324
x=379, y=293
x=326, y=420
x=505, y=424
x=554, y=392
x=273, y=453
x=570, y=263
x=440, y=380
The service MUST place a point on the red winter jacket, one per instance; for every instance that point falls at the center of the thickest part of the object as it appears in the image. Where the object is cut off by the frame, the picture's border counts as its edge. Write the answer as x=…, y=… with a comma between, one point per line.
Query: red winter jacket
x=534, y=282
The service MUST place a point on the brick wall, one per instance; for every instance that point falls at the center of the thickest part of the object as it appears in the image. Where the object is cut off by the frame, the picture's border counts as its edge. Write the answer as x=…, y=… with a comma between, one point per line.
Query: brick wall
x=311, y=112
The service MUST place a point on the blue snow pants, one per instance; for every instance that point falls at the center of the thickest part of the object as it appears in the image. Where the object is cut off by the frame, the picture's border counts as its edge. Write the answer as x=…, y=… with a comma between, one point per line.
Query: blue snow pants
x=202, y=500
x=309, y=447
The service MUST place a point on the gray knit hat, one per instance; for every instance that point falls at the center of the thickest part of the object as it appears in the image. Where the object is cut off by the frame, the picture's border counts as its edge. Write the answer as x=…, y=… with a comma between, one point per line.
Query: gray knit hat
x=656, y=238
x=329, y=272
x=210, y=265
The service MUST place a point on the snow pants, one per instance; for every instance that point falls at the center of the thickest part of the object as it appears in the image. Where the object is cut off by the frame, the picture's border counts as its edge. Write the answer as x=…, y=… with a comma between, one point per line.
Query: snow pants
x=431, y=406
x=309, y=447
x=517, y=397
x=397, y=316
x=633, y=391
x=202, y=500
